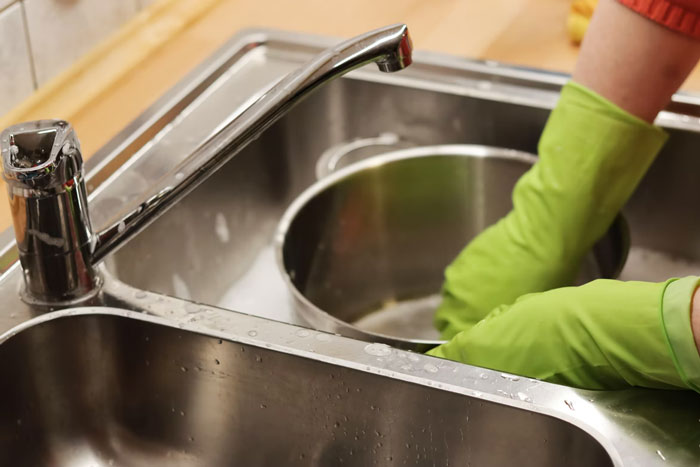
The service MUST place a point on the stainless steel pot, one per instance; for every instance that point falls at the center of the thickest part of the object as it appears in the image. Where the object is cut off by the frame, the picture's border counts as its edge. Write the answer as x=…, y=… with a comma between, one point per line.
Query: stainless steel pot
x=364, y=249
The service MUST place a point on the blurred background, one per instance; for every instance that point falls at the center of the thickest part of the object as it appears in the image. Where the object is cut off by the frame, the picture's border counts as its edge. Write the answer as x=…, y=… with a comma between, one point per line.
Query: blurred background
x=107, y=60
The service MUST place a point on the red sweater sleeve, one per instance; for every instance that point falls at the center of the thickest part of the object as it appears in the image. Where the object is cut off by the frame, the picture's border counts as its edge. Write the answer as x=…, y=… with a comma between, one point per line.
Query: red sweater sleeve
x=680, y=15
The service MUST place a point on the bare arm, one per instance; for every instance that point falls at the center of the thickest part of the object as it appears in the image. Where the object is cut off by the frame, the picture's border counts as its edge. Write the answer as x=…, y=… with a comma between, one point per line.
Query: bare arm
x=633, y=61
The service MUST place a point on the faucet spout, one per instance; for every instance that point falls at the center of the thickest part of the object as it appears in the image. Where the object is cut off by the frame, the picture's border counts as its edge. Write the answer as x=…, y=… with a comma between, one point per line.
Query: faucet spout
x=43, y=168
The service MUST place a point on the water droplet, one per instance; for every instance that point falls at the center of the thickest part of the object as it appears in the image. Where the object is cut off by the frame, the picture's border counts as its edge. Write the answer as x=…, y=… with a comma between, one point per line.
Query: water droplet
x=252, y=333
x=19, y=421
x=263, y=406
x=413, y=357
x=183, y=369
x=378, y=350
x=569, y=404
x=510, y=377
x=430, y=368
x=191, y=307
x=661, y=454
x=179, y=176
x=140, y=294
x=191, y=438
x=121, y=227
x=303, y=333
x=483, y=376
x=217, y=361
x=258, y=359
x=524, y=397
x=406, y=367
x=182, y=413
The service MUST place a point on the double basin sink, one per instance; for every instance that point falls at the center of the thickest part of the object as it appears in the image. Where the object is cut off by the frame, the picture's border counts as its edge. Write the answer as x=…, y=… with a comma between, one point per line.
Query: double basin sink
x=195, y=356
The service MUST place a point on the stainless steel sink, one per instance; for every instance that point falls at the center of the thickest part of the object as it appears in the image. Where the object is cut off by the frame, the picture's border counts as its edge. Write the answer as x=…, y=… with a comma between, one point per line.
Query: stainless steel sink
x=222, y=232
x=117, y=390
x=184, y=378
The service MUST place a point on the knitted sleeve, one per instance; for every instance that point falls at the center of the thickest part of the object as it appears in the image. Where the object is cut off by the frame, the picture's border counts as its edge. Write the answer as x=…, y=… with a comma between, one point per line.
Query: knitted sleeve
x=680, y=15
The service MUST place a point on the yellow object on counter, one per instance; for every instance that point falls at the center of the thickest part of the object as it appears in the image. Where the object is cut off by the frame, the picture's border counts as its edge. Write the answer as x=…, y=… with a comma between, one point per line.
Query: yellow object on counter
x=579, y=17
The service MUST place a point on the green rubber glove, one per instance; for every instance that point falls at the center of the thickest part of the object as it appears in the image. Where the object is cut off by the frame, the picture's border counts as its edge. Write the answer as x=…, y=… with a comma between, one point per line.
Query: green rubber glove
x=592, y=156
x=603, y=335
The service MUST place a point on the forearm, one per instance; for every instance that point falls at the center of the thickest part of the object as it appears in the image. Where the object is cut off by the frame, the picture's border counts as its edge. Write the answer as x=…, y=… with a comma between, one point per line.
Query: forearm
x=633, y=61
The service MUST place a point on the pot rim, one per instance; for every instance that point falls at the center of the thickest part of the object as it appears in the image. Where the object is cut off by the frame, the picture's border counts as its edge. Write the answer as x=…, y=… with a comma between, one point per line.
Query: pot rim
x=317, y=316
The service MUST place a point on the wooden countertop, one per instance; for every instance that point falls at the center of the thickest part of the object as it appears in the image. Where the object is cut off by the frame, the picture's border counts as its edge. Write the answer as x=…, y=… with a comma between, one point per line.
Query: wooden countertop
x=107, y=89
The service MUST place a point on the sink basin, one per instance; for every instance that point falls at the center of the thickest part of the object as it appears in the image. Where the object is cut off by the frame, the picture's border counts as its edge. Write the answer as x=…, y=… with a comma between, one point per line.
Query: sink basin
x=223, y=231
x=118, y=390
x=216, y=245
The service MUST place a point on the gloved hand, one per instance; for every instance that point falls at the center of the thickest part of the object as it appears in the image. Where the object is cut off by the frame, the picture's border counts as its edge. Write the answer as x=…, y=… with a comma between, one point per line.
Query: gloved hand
x=603, y=335
x=592, y=156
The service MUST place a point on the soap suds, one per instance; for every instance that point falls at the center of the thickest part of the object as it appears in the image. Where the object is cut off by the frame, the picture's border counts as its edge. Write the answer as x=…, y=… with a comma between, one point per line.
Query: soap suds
x=654, y=266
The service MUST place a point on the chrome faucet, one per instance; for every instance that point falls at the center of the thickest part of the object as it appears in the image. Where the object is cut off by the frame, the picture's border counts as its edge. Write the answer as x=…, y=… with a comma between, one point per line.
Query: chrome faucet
x=43, y=167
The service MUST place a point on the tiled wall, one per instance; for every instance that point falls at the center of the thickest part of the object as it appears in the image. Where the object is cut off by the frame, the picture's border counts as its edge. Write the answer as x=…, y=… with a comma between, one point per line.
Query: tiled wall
x=41, y=38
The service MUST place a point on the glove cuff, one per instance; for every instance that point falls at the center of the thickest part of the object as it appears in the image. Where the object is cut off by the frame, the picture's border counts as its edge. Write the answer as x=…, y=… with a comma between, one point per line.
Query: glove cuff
x=676, y=314
x=582, y=97
x=594, y=149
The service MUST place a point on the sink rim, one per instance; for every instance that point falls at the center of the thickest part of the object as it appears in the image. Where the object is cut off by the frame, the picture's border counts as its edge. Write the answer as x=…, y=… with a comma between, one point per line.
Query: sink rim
x=355, y=359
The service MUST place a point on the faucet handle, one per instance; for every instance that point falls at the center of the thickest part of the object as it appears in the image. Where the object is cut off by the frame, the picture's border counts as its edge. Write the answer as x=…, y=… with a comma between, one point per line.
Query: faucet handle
x=40, y=155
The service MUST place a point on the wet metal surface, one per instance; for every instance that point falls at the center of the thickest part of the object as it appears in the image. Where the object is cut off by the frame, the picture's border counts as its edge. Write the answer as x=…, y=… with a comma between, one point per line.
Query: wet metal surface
x=98, y=387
